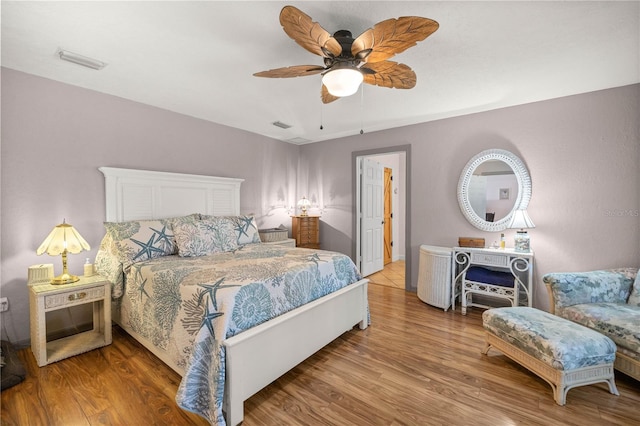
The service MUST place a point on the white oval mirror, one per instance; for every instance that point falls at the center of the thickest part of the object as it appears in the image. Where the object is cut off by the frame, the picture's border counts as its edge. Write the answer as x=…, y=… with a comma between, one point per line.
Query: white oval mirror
x=492, y=186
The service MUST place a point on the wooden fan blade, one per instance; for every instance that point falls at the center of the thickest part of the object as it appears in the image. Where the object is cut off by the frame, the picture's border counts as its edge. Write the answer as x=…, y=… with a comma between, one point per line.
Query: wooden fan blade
x=389, y=74
x=308, y=34
x=326, y=96
x=390, y=37
x=294, y=71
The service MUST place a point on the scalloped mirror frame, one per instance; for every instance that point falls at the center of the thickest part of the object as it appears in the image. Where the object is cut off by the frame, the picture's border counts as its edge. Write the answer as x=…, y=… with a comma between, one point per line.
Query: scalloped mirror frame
x=524, y=188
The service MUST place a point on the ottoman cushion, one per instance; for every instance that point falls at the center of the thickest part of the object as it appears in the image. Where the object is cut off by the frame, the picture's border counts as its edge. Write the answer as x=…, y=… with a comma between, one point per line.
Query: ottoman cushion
x=487, y=276
x=555, y=341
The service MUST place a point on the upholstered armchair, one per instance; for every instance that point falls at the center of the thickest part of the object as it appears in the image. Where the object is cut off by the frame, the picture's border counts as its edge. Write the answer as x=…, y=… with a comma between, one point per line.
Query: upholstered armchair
x=607, y=301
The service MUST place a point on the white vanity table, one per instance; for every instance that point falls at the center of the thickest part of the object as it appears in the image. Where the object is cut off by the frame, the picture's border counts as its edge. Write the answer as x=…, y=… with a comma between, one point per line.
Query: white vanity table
x=486, y=186
x=518, y=264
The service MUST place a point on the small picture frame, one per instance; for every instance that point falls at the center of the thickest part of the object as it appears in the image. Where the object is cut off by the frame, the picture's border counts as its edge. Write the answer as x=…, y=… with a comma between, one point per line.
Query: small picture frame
x=504, y=193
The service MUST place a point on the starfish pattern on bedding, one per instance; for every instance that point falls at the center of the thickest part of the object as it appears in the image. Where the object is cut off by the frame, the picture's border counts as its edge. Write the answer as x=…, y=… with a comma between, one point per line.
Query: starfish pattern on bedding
x=315, y=258
x=208, y=318
x=212, y=289
x=163, y=236
x=141, y=288
x=244, y=225
x=147, y=248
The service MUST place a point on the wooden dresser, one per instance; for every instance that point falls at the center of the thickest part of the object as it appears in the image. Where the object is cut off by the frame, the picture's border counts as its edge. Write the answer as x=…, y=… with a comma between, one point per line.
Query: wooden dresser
x=306, y=231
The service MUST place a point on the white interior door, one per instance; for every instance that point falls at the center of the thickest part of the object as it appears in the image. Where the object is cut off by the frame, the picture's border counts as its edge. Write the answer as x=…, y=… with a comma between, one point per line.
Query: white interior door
x=372, y=205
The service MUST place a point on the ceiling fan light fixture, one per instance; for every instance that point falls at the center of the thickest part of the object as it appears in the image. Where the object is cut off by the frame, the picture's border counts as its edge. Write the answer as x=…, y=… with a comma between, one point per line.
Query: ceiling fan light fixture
x=343, y=82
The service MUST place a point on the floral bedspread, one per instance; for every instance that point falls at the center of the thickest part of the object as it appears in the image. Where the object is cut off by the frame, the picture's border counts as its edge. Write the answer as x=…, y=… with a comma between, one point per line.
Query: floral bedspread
x=188, y=306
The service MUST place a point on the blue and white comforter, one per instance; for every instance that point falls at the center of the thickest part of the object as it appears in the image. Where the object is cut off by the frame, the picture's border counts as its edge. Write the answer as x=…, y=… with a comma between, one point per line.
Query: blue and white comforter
x=188, y=306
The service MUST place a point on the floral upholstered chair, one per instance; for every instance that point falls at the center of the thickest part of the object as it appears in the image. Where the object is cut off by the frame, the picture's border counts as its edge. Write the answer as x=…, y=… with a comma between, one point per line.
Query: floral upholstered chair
x=607, y=301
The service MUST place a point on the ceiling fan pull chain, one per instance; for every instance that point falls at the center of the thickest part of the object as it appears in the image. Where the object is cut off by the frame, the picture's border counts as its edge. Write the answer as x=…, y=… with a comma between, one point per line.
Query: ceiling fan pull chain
x=321, y=119
x=361, y=109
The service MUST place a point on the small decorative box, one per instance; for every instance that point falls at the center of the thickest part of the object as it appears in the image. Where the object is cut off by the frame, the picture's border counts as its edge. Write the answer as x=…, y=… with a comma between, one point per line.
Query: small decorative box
x=273, y=234
x=471, y=242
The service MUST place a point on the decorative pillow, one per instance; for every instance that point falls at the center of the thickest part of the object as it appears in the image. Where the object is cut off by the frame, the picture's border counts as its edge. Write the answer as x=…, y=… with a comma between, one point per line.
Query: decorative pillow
x=139, y=240
x=108, y=265
x=634, y=299
x=245, y=227
x=175, y=221
x=203, y=237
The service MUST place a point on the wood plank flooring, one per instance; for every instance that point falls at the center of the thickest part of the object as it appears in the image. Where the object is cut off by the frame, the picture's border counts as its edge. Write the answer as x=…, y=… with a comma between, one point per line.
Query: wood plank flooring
x=392, y=275
x=415, y=365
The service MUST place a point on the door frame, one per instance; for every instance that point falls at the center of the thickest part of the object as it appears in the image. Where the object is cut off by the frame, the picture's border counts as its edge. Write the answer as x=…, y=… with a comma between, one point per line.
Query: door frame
x=355, y=182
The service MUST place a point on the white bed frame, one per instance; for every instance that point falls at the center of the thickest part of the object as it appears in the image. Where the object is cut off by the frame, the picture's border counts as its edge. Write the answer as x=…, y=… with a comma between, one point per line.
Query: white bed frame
x=256, y=357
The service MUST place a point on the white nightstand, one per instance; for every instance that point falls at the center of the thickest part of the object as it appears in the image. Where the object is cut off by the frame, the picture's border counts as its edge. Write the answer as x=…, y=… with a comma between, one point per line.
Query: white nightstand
x=289, y=242
x=45, y=298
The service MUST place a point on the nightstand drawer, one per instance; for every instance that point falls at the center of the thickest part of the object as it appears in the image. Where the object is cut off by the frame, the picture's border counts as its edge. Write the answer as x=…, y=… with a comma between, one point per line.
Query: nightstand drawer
x=74, y=297
x=489, y=259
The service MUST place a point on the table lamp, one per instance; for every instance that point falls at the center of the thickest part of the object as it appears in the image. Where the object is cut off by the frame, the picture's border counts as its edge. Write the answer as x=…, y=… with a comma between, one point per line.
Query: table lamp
x=62, y=240
x=304, y=205
x=521, y=220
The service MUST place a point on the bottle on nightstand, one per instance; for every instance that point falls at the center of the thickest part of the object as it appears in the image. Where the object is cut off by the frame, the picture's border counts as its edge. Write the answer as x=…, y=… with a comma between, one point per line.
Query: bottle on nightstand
x=88, y=268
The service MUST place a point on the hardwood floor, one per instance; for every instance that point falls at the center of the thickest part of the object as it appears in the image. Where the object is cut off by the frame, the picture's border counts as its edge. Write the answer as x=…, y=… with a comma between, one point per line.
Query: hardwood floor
x=392, y=275
x=415, y=365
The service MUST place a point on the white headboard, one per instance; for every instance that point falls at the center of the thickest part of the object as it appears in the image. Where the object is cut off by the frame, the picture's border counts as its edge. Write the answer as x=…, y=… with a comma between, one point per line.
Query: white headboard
x=142, y=194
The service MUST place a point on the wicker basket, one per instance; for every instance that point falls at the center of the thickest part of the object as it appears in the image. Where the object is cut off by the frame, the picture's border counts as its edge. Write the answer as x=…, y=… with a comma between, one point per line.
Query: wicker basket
x=273, y=234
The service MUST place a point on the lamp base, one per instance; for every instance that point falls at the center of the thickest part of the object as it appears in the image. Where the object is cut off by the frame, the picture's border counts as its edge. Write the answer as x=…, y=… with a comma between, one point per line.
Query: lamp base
x=64, y=279
x=522, y=242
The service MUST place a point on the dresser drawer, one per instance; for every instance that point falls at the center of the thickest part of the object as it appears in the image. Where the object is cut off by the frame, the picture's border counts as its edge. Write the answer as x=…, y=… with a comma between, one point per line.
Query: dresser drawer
x=74, y=297
x=308, y=237
x=306, y=227
x=489, y=259
x=310, y=246
x=310, y=222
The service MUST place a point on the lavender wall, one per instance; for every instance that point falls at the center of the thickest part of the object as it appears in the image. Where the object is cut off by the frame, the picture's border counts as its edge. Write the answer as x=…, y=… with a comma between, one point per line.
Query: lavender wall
x=582, y=153
x=54, y=138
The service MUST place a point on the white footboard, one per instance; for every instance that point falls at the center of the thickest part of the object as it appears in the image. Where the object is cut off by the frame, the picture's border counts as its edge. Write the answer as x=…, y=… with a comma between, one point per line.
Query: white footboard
x=258, y=356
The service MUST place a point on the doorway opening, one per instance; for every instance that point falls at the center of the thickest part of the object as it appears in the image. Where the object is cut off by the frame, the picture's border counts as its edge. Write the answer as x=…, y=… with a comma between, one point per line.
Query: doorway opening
x=376, y=256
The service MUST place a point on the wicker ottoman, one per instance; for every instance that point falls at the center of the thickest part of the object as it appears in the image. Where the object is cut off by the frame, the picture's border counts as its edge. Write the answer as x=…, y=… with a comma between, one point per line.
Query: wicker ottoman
x=563, y=353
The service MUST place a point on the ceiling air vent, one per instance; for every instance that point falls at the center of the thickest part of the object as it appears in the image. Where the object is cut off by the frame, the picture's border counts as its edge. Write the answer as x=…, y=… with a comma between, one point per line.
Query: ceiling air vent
x=298, y=141
x=281, y=124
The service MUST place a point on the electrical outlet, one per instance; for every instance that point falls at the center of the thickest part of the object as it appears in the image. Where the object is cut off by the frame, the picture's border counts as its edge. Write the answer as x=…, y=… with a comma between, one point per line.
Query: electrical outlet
x=4, y=304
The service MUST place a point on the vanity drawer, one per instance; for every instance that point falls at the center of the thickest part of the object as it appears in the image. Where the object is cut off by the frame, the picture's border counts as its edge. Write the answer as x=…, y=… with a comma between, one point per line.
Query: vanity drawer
x=490, y=259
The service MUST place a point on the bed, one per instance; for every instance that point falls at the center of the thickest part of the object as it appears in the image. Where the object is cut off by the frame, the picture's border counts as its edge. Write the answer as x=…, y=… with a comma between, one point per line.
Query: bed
x=229, y=316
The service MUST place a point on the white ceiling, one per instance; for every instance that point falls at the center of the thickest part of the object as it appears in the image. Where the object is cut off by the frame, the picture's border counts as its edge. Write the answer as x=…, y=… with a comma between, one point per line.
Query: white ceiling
x=197, y=58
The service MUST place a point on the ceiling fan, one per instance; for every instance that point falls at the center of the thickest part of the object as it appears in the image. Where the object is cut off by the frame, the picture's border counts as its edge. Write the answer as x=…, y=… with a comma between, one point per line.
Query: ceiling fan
x=347, y=61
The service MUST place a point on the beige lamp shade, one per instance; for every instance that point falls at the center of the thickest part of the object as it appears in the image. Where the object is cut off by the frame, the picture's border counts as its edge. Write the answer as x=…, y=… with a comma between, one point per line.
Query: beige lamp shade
x=520, y=220
x=63, y=237
x=62, y=240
